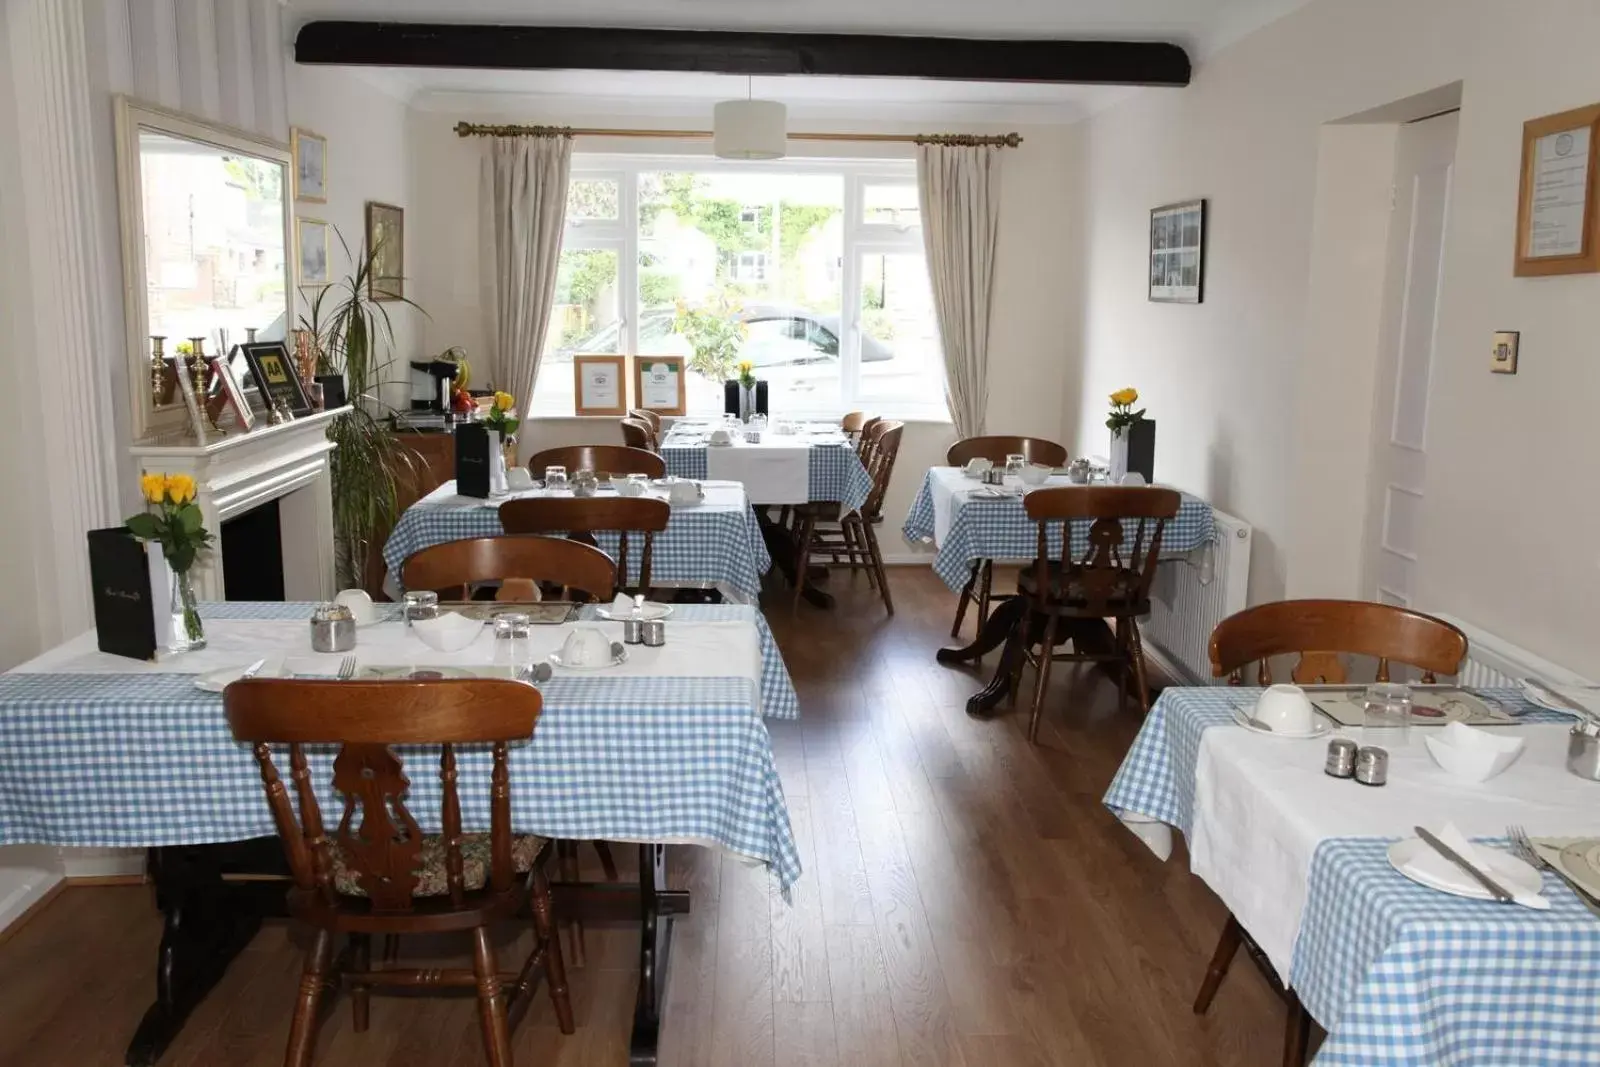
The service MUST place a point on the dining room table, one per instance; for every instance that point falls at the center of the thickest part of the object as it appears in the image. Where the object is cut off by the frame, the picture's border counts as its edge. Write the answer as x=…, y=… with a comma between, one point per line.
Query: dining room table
x=669, y=747
x=715, y=542
x=782, y=463
x=1395, y=972
x=967, y=521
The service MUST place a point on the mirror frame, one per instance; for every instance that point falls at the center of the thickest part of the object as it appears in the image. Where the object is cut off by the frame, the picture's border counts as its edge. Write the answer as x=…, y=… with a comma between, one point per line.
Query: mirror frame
x=132, y=115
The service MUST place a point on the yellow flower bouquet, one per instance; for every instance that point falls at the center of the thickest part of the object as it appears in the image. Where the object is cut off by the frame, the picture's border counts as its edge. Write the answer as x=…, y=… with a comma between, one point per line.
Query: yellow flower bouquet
x=172, y=519
x=502, y=417
x=747, y=374
x=1122, y=414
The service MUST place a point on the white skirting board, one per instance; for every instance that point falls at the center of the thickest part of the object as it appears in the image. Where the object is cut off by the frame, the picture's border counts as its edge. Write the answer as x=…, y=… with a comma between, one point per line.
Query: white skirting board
x=102, y=862
x=27, y=873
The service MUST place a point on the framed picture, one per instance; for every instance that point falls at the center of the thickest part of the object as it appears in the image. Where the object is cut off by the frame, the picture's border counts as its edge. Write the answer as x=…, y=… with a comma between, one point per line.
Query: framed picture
x=273, y=369
x=1503, y=360
x=1558, y=226
x=311, y=252
x=1178, y=253
x=386, y=237
x=602, y=385
x=227, y=381
x=310, y=165
x=659, y=384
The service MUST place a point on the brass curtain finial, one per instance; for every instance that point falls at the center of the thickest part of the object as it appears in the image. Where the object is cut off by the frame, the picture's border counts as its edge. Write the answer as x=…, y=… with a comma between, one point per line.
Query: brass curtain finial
x=1003, y=140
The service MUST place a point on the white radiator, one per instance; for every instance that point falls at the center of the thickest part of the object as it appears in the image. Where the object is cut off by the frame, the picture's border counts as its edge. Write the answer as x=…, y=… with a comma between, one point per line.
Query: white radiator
x=1186, y=606
x=1495, y=663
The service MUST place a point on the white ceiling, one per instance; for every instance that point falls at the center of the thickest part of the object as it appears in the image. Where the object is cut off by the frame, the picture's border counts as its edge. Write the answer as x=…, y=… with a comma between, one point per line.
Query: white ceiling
x=1201, y=26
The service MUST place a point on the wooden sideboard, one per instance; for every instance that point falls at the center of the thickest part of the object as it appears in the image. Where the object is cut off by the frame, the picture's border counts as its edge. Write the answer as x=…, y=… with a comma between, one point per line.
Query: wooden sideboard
x=433, y=464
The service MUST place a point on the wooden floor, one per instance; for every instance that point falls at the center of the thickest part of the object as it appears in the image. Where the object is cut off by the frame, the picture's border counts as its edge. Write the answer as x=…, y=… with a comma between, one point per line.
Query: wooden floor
x=966, y=901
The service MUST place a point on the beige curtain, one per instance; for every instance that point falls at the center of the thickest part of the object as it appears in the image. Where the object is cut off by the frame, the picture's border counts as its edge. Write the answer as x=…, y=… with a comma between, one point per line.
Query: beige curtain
x=523, y=210
x=959, y=190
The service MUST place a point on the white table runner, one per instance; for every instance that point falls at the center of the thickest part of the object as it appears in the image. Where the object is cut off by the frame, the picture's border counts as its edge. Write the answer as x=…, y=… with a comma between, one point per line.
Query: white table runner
x=771, y=472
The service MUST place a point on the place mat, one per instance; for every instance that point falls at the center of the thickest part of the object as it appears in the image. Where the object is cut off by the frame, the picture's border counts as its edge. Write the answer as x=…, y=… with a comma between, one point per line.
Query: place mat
x=1430, y=706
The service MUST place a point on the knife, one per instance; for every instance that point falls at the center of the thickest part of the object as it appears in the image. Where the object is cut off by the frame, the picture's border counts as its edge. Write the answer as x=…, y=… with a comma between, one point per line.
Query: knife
x=1495, y=889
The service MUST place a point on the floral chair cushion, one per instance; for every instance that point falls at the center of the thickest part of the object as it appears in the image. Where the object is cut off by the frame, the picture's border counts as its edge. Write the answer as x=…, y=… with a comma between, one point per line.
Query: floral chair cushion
x=430, y=871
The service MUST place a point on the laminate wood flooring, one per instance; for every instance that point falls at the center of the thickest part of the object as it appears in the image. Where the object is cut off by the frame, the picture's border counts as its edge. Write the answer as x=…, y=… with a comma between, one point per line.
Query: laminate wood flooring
x=966, y=902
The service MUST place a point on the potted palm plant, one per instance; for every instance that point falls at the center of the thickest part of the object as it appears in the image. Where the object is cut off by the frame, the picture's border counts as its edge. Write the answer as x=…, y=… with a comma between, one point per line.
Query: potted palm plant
x=355, y=338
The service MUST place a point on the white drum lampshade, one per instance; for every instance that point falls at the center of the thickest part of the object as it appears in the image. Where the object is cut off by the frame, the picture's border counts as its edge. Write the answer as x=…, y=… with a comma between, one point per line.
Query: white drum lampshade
x=750, y=129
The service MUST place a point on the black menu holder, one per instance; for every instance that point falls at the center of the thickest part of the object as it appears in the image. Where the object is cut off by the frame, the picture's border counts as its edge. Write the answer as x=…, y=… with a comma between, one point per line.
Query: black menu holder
x=1142, y=449
x=124, y=609
x=730, y=399
x=761, y=398
x=332, y=391
x=472, y=461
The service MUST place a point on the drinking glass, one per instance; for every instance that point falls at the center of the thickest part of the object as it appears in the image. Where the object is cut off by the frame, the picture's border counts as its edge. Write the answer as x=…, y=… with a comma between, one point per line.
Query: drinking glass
x=422, y=604
x=1386, y=715
x=511, y=644
x=1015, y=462
x=555, y=477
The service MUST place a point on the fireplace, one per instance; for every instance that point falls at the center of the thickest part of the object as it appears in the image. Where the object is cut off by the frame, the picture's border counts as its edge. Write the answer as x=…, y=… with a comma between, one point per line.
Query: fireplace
x=252, y=554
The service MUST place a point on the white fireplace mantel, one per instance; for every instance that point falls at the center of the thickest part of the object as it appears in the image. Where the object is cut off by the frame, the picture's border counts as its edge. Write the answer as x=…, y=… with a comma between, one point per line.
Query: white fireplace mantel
x=288, y=462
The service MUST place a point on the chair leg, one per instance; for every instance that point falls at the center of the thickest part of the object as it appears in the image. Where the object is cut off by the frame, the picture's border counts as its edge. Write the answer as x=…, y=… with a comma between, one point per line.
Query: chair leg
x=985, y=584
x=1141, y=678
x=1227, y=948
x=360, y=992
x=608, y=862
x=966, y=598
x=877, y=567
x=802, y=558
x=555, y=971
x=391, y=949
x=856, y=551
x=1296, y=1034
x=303, y=1027
x=1047, y=655
x=491, y=1005
x=567, y=860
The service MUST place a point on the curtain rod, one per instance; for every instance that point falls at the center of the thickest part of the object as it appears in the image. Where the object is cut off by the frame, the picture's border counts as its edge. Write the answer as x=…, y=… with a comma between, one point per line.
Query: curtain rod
x=1003, y=140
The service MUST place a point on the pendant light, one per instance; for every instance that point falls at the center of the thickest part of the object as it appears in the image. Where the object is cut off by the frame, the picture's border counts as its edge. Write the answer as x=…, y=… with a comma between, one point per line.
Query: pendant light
x=749, y=128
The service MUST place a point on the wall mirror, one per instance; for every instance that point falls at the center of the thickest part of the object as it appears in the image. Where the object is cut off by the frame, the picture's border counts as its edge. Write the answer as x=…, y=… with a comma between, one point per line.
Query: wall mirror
x=206, y=213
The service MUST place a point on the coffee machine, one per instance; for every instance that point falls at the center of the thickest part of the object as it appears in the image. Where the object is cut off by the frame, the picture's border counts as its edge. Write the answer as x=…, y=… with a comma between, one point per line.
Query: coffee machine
x=431, y=382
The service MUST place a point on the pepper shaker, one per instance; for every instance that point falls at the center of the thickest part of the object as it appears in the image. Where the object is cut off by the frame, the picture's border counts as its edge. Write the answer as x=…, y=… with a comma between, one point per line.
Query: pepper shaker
x=633, y=631
x=654, y=632
x=1341, y=758
x=1372, y=766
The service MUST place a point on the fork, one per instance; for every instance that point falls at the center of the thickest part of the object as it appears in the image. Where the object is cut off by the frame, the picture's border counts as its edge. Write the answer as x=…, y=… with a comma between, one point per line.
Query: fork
x=1522, y=848
x=347, y=669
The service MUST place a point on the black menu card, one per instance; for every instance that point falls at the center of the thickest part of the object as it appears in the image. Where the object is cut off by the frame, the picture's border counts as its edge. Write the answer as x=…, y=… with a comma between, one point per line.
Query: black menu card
x=472, y=461
x=124, y=609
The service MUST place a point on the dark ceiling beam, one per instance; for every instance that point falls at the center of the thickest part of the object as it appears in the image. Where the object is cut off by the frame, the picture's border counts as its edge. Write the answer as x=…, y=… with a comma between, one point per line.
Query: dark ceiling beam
x=398, y=44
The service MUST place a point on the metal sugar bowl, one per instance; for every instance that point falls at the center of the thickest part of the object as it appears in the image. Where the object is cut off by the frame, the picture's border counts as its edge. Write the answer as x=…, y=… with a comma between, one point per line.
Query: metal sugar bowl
x=333, y=629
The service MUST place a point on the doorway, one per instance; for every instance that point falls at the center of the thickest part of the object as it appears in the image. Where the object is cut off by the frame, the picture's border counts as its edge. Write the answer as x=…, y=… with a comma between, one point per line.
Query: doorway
x=1425, y=156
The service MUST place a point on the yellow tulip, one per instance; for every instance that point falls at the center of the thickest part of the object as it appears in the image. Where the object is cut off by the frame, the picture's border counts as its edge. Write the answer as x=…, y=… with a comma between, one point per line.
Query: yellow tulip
x=746, y=365
x=504, y=401
x=1125, y=397
x=180, y=488
x=153, y=486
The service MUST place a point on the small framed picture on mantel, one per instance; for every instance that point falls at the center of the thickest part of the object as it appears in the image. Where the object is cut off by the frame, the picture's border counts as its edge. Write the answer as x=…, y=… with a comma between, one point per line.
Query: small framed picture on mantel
x=1178, y=253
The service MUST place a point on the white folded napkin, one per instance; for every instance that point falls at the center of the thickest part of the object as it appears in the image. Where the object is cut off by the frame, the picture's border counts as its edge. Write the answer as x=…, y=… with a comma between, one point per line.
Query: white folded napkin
x=622, y=605
x=1433, y=867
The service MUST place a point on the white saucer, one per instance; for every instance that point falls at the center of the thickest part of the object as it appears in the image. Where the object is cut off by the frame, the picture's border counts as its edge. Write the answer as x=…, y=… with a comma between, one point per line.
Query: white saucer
x=617, y=661
x=650, y=610
x=1518, y=878
x=1319, y=728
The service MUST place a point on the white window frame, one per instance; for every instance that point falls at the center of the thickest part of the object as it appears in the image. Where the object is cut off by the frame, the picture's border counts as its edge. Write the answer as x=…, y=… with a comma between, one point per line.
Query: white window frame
x=859, y=238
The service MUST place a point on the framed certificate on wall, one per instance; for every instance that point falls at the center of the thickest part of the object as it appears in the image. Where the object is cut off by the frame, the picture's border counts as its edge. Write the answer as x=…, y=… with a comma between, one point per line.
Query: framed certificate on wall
x=658, y=384
x=602, y=385
x=1558, y=226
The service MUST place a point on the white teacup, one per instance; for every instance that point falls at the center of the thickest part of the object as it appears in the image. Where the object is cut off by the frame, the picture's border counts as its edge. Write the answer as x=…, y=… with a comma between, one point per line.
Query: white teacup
x=683, y=492
x=628, y=488
x=978, y=465
x=586, y=647
x=1034, y=474
x=1285, y=709
x=519, y=479
x=359, y=604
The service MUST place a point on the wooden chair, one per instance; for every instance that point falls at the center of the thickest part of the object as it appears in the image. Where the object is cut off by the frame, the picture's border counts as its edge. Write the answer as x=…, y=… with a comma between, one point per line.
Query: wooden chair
x=994, y=449
x=581, y=518
x=636, y=433
x=821, y=529
x=614, y=460
x=852, y=423
x=1109, y=579
x=649, y=418
x=570, y=566
x=1319, y=633
x=378, y=873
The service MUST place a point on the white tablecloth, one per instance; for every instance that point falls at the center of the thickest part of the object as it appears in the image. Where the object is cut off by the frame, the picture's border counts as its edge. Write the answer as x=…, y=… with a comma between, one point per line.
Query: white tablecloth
x=773, y=471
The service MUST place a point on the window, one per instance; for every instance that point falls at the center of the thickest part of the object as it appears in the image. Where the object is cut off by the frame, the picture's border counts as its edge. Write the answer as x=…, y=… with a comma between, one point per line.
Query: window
x=812, y=271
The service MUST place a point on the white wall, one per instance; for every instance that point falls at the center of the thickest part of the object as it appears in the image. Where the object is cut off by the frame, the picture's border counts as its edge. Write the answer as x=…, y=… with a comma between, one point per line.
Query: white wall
x=1033, y=348
x=1508, y=536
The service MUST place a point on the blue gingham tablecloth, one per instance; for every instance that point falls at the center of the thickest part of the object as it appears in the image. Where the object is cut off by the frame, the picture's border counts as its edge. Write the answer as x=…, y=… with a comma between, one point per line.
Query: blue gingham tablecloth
x=1409, y=976
x=836, y=472
x=1396, y=973
x=1001, y=530
x=706, y=545
x=136, y=760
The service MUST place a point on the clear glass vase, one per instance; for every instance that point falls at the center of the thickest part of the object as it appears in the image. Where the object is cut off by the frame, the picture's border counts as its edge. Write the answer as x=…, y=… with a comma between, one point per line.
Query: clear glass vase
x=188, y=632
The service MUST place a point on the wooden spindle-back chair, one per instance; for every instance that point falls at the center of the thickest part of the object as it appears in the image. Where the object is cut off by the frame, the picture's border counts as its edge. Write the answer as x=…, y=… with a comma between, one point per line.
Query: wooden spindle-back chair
x=1107, y=578
x=636, y=433
x=580, y=518
x=648, y=417
x=570, y=568
x=822, y=529
x=619, y=461
x=377, y=872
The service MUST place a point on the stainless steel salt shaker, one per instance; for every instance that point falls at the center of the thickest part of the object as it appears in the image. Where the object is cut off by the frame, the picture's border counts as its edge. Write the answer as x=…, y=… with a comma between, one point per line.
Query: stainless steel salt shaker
x=633, y=631
x=1372, y=766
x=333, y=629
x=1341, y=758
x=654, y=632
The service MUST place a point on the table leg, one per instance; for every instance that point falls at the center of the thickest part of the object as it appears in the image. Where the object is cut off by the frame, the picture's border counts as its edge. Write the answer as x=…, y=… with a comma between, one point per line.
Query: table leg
x=207, y=922
x=1005, y=627
x=782, y=551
